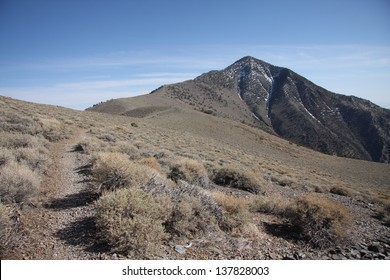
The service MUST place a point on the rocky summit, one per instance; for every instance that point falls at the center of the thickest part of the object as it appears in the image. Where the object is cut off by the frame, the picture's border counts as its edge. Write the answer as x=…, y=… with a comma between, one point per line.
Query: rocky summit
x=279, y=101
x=302, y=112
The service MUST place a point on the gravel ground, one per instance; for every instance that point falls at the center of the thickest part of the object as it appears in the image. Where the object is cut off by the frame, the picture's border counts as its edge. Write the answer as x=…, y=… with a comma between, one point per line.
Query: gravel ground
x=65, y=228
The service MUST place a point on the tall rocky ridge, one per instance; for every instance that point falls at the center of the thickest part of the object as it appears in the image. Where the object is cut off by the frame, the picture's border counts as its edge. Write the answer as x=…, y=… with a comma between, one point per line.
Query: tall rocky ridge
x=282, y=102
x=302, y=112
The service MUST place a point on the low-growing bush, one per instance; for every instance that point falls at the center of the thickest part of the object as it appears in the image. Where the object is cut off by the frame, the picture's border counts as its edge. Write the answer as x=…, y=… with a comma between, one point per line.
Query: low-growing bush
x=125, y=147
x=18, y=183
x=236, y=178
x=107, y=137
x=150, y=162
x=267, y=205
x=53, y=129
x=340, y=191
x=320, y=221
x=194, y=210
x=37, y=159
x=6, y=157
x=235, y=211
x=6, y=232
x=384, y=213
x=90, y=145
x=283, y=181
x=112, y=171
x=189, y=217
x=131, y=221
x=16, y=141
x=191, y=171
x=13, y=122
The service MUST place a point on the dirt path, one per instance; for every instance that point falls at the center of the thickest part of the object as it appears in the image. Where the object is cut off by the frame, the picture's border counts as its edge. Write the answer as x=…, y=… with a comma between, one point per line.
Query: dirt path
x=69, y=229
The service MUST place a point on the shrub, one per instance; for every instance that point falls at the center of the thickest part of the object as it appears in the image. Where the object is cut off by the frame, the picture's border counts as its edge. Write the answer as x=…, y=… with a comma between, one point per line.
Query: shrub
x=131, y=221
x=36, y=159
x=262, y=204
x=6, y=157
x=190, y=171
x=384, y=213
x=125, y=147
x=13, y=122
x=114, y=170
x=236, y=212
x=16, y=141
x=283, y=181
x=340, y=191
x=194, y=210
x=189, y=216
x=52, y=129
x=319, y=221
x=6, y=232
x=107, y=137
x=17, y=183
x=150, y=162
x=235, y=178
x=91, y=145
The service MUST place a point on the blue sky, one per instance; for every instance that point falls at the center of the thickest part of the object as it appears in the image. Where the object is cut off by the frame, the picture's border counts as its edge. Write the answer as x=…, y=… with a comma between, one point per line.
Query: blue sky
x=76, y=53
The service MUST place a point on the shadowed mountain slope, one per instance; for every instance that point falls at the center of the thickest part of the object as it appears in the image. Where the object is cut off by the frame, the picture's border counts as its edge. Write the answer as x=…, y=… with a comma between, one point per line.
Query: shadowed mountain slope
x=278, y=101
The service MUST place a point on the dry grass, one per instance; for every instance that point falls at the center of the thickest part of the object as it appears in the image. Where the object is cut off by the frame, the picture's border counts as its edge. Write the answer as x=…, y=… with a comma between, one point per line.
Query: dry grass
x=189, y=217
x=339, y=190
x=150, y=162
x=18, y=183
x=194, y=209
x=191, y=171
x=131, y=221
x=268, y=205
x=91, y=145
x=37, y=159
x=320, y=221
x=187, y=142
x=236, y=212
x=112, y=171
x=7, y=237
x=6, y=156
x=384, y=213
x=236, y=178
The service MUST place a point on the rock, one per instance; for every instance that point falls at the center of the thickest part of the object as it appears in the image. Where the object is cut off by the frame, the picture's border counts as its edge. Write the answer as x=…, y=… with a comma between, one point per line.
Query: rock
x=180, y=249
x=336, y=257
x=355, y=254
x=373, y=248
x=288, y=257
x=338, y=250
x=215, y=250
x=382, y=256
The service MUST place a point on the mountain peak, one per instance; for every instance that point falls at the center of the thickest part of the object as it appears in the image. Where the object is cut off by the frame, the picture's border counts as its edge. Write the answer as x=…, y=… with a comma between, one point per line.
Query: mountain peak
x=250, y=60
x=284, y=103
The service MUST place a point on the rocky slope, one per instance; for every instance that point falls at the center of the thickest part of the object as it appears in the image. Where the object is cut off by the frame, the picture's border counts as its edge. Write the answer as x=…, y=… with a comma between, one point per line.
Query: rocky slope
x=304, y=113
x=282, y=102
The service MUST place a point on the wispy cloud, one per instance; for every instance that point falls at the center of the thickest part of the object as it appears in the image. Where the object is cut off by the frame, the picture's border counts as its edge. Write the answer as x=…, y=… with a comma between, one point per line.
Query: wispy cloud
x=80, y=95
x=79, y=82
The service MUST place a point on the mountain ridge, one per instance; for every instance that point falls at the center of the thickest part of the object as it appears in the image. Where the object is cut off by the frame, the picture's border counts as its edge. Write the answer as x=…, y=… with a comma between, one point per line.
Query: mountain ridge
x=281, y=102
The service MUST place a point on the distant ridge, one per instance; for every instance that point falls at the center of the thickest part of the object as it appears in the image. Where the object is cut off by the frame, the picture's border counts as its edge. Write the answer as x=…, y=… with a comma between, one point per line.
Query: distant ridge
x=281, y=102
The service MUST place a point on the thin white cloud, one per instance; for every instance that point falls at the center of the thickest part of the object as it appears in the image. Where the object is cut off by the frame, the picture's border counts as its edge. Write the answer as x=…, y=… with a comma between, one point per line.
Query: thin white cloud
x=79, y=95
x=348, y=69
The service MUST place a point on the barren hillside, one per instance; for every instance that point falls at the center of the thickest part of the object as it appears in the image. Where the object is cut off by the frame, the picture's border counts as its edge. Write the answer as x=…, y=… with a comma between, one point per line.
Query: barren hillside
x=279, y=101
x=185, y=184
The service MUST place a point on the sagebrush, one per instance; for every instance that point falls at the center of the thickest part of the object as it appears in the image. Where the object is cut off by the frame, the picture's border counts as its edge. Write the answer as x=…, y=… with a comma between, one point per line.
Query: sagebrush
x=131, y=221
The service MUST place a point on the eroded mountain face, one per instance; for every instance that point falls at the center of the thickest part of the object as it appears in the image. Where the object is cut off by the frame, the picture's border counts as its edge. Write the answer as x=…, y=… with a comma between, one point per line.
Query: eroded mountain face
x=282, y=102
x=304, y=113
